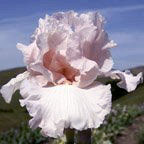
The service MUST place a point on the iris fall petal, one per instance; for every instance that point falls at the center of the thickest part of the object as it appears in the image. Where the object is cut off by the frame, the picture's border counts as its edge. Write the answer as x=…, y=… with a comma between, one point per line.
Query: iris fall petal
x=8, y=89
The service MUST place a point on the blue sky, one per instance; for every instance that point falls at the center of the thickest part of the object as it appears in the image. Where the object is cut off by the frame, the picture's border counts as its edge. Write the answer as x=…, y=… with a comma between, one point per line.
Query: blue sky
x=125, y=25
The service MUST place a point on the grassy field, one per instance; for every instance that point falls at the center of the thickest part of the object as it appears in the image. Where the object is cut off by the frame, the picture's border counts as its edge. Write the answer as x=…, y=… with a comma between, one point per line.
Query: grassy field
x=11, y=115
x=134, y=98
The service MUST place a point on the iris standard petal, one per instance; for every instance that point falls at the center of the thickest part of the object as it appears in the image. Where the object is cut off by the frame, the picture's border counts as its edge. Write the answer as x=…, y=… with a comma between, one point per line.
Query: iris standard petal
x=29, y=52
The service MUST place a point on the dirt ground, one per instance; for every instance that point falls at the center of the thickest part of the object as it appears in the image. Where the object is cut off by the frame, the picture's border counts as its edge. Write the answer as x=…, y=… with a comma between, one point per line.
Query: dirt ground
x=129, y=135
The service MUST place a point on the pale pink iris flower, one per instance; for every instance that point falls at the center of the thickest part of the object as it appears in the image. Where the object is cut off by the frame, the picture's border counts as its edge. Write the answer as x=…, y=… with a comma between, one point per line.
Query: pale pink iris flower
x=68, y=51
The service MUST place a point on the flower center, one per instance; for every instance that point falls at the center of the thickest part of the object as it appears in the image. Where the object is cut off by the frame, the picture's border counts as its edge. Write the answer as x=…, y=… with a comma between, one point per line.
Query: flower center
x=58, y=64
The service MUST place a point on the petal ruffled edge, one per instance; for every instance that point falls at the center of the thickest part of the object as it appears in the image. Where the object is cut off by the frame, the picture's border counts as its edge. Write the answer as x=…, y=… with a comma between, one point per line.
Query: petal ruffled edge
x=8, y=89
x=128, y=81
x=29, y=52
x=58, y=107
x=88, y=72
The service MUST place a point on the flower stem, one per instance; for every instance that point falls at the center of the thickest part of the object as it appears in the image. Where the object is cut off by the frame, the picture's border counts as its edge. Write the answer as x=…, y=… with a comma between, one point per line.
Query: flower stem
x=84, y=137
x=69, y=136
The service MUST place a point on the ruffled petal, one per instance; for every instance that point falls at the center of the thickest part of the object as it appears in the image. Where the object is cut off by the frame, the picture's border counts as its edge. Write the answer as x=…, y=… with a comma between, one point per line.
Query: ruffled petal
x=57, y=107
x=97, y=48
x=71, y=19
x=41, y=80
x=30, y=52
x=77, y=38
x=50, y=76
x=88, y=72
x=8, y=89
x=128, y=81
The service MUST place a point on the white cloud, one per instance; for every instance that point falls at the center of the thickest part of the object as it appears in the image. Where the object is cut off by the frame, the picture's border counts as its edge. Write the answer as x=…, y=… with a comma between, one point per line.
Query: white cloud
x=132, y=38
x=130, y=49
x=121, y=9
x=12, y=31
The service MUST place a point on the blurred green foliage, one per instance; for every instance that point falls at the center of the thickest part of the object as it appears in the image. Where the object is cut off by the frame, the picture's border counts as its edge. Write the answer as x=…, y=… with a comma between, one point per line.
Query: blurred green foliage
x=115, y=122
x=22, y=135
